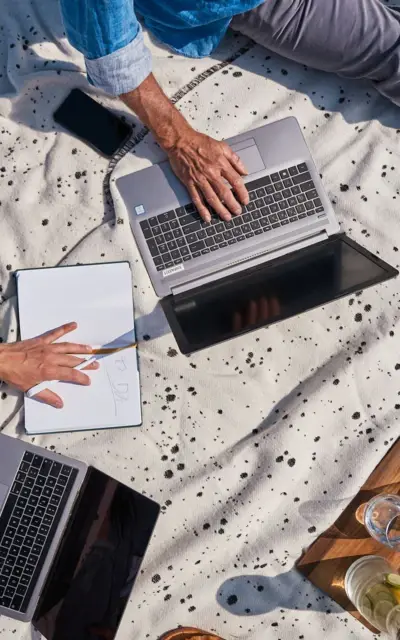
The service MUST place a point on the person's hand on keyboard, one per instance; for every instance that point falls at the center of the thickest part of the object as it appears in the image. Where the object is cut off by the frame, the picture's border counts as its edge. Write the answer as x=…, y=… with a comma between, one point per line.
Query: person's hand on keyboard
x=211, y=172
x=27, y=363
x=257, y=311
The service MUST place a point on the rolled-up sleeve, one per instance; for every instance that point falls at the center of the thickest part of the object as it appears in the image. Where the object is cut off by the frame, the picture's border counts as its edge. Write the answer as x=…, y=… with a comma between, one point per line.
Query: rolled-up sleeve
x=110, y=37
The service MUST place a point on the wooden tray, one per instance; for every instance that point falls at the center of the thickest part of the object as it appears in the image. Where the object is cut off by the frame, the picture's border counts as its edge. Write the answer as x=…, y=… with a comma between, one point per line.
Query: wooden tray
x=325, y=563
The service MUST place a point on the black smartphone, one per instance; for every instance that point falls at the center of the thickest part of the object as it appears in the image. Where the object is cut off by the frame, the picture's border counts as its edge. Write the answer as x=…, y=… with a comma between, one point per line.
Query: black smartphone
x=90, y=121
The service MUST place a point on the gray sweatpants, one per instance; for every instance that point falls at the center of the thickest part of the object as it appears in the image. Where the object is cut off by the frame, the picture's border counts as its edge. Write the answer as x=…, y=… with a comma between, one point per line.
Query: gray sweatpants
x=353, y=38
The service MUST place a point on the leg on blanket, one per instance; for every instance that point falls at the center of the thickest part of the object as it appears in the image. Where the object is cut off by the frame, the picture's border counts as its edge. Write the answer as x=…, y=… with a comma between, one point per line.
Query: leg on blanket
x=353, y=38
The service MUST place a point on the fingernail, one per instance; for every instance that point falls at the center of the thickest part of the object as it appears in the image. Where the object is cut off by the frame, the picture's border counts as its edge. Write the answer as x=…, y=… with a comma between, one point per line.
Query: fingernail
x=207, y=218
x=228, y=217
x=238, y=211
x=89, y=349
x=59, y=404
x=96, y=365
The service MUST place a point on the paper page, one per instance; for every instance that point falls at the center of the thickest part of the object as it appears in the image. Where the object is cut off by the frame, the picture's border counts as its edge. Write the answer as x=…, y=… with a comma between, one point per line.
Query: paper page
x=99, y=299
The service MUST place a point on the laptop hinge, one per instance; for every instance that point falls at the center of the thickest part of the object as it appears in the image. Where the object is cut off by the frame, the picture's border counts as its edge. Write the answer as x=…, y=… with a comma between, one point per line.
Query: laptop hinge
x=248, y=262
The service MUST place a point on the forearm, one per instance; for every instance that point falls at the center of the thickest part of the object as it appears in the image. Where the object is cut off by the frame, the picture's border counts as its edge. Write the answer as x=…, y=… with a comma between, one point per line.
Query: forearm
x=155, y=110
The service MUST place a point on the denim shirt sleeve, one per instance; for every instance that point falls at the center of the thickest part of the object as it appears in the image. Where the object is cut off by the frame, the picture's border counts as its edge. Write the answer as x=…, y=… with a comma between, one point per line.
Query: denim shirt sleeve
x=110, y=37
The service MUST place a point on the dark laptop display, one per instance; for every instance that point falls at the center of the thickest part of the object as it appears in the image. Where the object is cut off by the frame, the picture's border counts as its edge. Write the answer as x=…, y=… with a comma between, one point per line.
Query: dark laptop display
x=96, y=566
x=271, y=292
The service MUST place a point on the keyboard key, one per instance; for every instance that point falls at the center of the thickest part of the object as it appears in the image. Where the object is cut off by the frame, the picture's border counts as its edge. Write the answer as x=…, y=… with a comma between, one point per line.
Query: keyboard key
x=215, y=247
x=10, y=561
x=40, y=481
x=255, y=225
x=275, y=177
x=237, y=231
x=5, y=602
x=232, y=241
x=190, y=208
x=24, y=580
x=3, y=581
x=36, y=491
x=296, y=190
x=302, y=177
x=181, y=242
x=147, y=233
x=288, y=183
x=311, y=195
x=33, y=559
x=171, y=247
x=218, y=238
x=283, y=205
x=16, y=488
x=246, y=217
x=256, y=215
x=260, y=182
x=293, y=171
x=156, y=230
x=177, y=233
x=302, y=167
x=300, y=208
x=33, y=500
x=175, y=255
x=191, y=237
x=264, y=211
x=302, y=215
x=29, y=569
x=165, y=227
x=192, y=219
x=317, y=203
x=174, y=224
x=273, y=218
x=28, y=456
x=278, y=186
x=251, y=206
x=20, y=477
x=278, y=196
x=228, y=234
x=21, y=502
x=259, y=203
x=268, y=200
x=282, y=215
x=158, y=262
x=276, y=225
x=180, y=211
x=201, y=234
x=197, y=246
x=24, y=467
x=286, y=193
x=209, y=242
x=25, y=492
x=16, y=603
x=319, y=210
x=309, y=205
x=284, y=174
x=13, y=582
x=274, y=208
x=29, y=482
x=252, y=196
x=184, y=251
x=260, y=192
x=246, y=228
x=211, y=231
x=6, y=542
x=168, y=236
x=250, y=234
x=270, y=190
x=51, y=510
x=284, y=222
x=292, y=201
x=166, y=217
x=21, y=590
x=6, y=570
x=307, y=186
x=14, y=522
x=265, y=224
x=153, y=222
x=301, y=198
x=204, y=251
x=220, y=227
x=293, y=219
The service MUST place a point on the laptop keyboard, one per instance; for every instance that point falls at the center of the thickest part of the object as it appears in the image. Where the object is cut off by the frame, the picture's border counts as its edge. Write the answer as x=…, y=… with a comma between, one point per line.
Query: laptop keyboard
x=28, y=523
x=276, y=200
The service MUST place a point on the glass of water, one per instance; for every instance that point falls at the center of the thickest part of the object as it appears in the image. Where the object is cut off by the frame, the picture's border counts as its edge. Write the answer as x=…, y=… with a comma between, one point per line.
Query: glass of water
x=382, y=520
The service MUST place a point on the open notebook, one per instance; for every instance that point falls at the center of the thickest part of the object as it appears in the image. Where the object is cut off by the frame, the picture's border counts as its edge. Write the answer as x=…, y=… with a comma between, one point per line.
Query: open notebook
x=99, y=298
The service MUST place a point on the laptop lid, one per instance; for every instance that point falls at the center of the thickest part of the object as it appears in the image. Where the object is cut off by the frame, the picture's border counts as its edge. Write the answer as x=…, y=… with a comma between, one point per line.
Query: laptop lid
x=93, y=574
x=272, y=291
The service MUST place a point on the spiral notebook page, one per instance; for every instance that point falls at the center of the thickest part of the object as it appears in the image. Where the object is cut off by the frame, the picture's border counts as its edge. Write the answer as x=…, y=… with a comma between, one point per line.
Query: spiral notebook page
x=99, y=299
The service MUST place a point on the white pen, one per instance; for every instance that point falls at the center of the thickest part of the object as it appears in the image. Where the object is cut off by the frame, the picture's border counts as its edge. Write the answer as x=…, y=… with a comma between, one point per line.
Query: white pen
x=33, y=391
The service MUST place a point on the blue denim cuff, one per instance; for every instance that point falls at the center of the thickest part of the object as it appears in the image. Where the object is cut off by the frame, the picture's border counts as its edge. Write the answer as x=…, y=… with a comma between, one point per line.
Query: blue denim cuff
x=123, y=70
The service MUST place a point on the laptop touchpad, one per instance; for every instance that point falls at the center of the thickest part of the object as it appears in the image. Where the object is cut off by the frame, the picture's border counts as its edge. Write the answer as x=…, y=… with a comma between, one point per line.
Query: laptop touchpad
x=249, y=154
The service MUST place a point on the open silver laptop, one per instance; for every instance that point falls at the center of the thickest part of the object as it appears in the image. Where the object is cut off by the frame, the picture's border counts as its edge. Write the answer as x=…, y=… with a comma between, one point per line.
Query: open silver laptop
x=65, y=525
x=289, y=211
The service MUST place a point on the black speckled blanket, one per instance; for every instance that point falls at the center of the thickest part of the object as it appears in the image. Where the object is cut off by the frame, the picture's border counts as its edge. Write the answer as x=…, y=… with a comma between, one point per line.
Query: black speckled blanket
x=253, y=447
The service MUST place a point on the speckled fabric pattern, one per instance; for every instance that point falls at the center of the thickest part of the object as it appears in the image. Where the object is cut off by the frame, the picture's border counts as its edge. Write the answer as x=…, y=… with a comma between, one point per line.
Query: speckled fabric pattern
x=254, y=447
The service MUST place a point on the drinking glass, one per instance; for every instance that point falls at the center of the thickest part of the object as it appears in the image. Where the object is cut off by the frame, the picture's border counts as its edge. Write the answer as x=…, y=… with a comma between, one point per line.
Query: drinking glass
x=382, y=520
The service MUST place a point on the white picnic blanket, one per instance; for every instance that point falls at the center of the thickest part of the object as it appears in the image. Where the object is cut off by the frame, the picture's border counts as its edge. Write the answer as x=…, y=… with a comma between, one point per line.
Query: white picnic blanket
x=253, y=447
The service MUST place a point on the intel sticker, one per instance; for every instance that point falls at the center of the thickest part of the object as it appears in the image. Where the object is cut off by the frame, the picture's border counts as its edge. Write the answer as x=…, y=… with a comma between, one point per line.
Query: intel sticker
x=139, y=210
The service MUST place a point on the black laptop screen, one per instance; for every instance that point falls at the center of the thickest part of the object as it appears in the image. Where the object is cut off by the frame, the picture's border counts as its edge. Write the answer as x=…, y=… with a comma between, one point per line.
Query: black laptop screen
x=95, y=569
x=272, y=292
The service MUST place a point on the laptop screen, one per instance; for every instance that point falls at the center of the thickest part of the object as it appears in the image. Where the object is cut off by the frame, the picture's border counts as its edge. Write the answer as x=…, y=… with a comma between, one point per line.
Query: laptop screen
x=271, y=292
x=96, y=566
